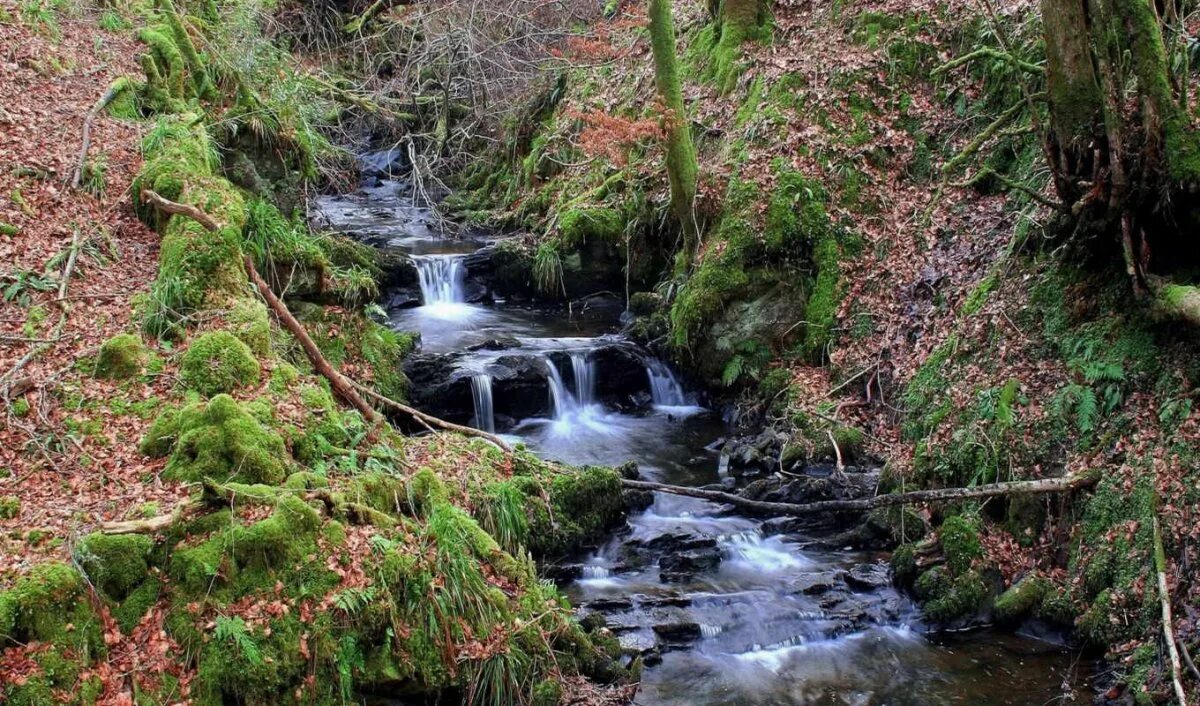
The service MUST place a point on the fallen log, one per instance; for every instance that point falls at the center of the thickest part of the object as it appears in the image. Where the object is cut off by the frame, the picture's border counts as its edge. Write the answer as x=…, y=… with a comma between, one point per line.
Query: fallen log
x=180, y=209
x=991, y=490
x=1164, y=597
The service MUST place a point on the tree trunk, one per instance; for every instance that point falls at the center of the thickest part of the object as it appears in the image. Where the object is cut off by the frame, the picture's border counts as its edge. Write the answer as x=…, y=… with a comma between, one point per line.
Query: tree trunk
x=681, y=153
x=1074, y=94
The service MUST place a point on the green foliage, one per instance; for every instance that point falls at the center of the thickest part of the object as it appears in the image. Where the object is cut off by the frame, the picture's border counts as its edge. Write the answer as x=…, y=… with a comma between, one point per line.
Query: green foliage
x=217, y=362
x=959, y=537
x=235, y=633
x=580, y=225
x=121, y=357
x=115, y=564
x=218, y=440
x=10, y=507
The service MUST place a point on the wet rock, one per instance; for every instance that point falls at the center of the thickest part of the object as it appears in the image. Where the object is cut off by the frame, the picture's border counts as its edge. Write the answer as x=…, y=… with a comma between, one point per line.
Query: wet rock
x=677, y=632
x=676, y=601
x=402, y=298
x=562, y=573
x=637, y=499
x=868, y=577
x=682, y=566
x=816, y=584
x=609, y=604
x=671, y=542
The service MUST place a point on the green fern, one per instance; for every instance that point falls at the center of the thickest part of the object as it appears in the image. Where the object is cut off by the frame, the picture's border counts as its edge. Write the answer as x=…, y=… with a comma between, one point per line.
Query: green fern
x=235, y=632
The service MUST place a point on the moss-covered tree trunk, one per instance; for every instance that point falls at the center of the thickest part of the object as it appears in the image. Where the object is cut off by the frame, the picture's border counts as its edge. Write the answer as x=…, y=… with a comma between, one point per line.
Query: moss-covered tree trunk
x=735, y=23
x=1074, y=93
x=681, y=153
x=1127, y=169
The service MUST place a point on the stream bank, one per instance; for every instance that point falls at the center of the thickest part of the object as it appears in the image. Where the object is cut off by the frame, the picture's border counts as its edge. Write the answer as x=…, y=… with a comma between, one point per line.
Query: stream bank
x=719, y=607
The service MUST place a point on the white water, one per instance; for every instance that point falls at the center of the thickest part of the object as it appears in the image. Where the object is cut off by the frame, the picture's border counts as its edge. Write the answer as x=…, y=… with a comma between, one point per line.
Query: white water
x=481, y=392
x=442, y=286
x=665, y=390
x=585, y=379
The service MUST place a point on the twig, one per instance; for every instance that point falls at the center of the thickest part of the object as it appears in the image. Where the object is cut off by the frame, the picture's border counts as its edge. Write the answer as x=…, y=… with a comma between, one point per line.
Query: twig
x=1164, y=597
x=181, y=209
x=113, y=91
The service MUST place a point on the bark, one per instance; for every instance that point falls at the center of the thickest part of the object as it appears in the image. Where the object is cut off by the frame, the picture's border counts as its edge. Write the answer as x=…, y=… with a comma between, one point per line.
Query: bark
x=1074, y=92
x=180, y=209
x=340, y=384
x=1164, y=596
x=991, y=490
x=681, y=153
x=114, y=90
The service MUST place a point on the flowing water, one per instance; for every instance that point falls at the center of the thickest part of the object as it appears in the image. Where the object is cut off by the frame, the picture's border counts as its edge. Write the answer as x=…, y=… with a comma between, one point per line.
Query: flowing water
x=724, y=611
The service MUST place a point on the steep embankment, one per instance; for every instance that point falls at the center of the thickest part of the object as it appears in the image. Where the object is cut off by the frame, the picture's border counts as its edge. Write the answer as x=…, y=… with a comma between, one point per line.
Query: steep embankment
x=188, y=513
x=882, y=275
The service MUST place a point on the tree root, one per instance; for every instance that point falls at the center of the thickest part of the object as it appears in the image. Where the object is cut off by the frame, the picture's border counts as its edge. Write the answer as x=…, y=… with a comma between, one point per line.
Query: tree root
x=1164, y=597
x=180, y=209
x=1025, y=487
x=114, y=90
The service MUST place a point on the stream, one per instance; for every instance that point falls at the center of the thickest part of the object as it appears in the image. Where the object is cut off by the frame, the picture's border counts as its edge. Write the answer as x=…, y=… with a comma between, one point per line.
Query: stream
x=724, y=609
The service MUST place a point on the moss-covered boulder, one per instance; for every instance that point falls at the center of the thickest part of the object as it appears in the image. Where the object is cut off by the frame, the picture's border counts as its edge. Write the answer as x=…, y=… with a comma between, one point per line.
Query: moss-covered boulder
x=220, y=440
x=50, y=608
x=218, y=362
x=121, y=357
x=115, y=564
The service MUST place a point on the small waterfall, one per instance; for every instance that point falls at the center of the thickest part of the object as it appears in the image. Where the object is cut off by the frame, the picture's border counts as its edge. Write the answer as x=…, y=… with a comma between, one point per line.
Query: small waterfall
x=665, y=390
x=441, y=278
x=596, y=572
x=481, y=392
x=560, y=396
x=585, y=379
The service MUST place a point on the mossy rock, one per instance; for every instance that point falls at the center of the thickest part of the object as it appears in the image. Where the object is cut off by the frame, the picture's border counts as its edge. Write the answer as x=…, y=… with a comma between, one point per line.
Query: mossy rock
x=959, y=537
x=584, y=504
x=121, y=357
x=248, y=321
x=115, y=564
x=221, y=441
x=1021, y=599
x=218, y=362
x=949, y=599
x=580, y=225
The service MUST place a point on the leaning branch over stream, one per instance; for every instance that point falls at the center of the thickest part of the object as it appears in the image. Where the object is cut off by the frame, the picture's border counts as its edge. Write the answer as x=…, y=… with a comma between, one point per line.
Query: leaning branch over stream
x=991, y=490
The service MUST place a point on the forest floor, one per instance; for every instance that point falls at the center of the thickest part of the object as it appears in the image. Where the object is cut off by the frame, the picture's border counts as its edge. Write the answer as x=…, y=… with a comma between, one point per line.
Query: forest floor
x=68, y=471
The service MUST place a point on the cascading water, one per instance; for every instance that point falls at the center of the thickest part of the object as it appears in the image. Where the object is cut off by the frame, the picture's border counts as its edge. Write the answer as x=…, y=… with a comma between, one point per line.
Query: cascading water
x=441, y=278
x=481, y=392
x=585, y=379
x=724, y=610
x=560, y=397
x=665, y=390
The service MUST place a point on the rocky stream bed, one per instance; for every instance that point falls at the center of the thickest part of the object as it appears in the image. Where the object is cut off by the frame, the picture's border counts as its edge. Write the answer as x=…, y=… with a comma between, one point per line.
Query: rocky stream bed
x=722, y=608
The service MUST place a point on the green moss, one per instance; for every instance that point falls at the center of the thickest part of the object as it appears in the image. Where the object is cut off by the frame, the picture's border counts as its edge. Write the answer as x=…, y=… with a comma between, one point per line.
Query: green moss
x=115, y=564
x=824, y=300
x=950, y=599
x=1021, y=599
x=218, y=362
x=249, y=322
x=583, y=505
x=222, y=441
x=10, y=507
x=959, y=537
x=20, y=407
x=580, y=225
x=120, y=357
x=160, y=438
x=737, y=22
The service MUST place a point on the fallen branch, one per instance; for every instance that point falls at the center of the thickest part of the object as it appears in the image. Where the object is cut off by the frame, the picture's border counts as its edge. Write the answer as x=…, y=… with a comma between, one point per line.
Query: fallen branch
x=114, y=90
x=431, y=421
x=1164, y=597
x=988, y=53
x=151, y=525
x=1023, y=487
x=180, y=209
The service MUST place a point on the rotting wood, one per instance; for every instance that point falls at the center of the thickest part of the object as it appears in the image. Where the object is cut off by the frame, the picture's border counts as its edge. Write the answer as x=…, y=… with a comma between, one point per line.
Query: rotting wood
x=990, y=490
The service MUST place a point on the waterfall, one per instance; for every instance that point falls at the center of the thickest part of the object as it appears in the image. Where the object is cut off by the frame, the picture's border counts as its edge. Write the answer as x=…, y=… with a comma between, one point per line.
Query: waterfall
x=560, y=396
x=441, y=278
x=585, y=379
x=481, y=392
x=665, y=390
